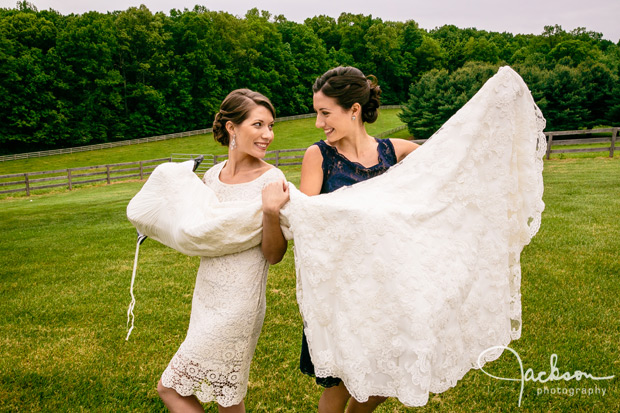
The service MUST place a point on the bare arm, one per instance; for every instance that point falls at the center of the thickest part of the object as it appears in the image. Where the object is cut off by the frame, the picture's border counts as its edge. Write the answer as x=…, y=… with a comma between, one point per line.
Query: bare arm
x=273, y=245
x=312, y=171
x=403, y=148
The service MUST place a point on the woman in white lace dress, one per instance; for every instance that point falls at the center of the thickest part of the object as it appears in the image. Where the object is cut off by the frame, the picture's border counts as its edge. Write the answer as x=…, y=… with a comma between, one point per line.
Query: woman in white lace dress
x=228, y=305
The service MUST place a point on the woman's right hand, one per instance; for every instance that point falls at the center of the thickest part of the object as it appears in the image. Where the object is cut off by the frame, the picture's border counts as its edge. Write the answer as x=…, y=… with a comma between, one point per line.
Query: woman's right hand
x=275, y=196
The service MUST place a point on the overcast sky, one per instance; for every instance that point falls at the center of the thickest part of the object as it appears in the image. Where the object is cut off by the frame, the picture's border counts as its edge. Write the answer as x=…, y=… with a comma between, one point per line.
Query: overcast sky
x=514, y=16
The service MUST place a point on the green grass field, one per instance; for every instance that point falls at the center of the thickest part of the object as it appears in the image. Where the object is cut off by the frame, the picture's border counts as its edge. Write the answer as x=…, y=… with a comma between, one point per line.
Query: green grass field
x=66, y=263
x=65, y=269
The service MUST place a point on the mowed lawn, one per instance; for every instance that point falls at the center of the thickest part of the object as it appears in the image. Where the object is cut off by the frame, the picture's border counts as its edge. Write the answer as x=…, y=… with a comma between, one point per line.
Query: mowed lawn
x=65, y=269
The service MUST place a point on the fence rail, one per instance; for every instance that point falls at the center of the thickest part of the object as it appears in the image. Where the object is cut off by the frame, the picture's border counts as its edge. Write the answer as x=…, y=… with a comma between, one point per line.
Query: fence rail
x=98, y=146
x=68, y=178
x=611, y=140
x=30, y=181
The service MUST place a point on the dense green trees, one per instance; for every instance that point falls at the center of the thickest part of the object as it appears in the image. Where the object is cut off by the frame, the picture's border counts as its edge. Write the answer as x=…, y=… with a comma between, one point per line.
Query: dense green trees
x=440, y=93
x=573, y=76
x=90, y=78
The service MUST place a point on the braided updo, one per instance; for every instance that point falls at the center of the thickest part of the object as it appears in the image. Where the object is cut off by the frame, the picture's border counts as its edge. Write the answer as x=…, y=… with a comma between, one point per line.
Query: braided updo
x=348, y=85
x=235, y=108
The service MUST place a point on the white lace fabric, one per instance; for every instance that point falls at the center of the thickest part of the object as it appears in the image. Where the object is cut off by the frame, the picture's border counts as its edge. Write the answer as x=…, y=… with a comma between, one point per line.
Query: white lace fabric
x=403, y=280
x=228, y=309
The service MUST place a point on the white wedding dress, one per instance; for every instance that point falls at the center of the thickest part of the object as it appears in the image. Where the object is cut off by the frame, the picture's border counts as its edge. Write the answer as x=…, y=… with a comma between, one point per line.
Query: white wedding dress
x=228, y=309
x=405, y=279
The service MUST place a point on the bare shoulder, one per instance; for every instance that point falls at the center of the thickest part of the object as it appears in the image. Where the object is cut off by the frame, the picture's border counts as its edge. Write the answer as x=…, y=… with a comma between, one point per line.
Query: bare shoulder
x=403, y=147
x=313, y=153
x=312, y=171
x=313, y=159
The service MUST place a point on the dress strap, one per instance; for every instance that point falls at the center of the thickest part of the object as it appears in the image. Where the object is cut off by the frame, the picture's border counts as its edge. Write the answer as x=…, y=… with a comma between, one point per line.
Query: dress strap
x=386, y=151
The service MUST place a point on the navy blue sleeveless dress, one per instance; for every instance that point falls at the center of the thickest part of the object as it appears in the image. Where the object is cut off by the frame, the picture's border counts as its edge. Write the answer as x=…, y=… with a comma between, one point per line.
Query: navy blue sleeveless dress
x=338, y=171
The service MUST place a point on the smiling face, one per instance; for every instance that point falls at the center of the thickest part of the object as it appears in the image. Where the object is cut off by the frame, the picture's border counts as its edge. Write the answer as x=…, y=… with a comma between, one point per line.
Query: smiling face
x=336, y=121
x=255, y=133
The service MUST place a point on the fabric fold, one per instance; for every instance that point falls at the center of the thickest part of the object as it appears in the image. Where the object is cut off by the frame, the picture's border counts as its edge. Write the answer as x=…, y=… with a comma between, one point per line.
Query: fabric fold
x=177, y=209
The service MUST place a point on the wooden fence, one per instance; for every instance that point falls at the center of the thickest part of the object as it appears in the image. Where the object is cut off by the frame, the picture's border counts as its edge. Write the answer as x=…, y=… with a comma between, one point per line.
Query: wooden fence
x=68, y=178
x=102, y=145
x=30, y=181
x=611, y=140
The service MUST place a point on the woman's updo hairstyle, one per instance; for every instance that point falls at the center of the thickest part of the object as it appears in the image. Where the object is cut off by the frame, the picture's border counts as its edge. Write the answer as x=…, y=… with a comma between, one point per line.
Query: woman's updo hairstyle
x=348, y=85
x=235, y=108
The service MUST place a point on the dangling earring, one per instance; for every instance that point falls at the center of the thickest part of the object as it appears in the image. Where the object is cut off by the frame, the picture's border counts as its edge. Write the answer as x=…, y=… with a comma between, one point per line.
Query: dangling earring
x=353, y=117
x=233, y=143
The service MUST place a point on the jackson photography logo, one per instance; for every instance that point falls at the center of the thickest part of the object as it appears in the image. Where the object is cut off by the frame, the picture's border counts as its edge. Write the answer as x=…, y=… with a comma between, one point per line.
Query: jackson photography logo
x=544, y=377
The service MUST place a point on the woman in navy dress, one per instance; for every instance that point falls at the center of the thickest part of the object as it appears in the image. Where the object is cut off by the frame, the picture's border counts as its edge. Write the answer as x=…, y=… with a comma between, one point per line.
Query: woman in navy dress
x=344, y=100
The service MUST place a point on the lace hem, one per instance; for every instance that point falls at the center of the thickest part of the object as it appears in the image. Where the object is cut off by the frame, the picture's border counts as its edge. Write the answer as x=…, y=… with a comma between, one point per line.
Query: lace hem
x=187, y=377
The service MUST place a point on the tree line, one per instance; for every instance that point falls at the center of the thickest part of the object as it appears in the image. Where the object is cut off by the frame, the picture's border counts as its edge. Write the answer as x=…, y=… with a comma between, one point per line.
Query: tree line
x=69, y=80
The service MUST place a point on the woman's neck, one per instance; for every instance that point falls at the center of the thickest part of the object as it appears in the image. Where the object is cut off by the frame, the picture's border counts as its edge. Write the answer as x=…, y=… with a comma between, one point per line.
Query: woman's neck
x=358, y=147
x=241, y=167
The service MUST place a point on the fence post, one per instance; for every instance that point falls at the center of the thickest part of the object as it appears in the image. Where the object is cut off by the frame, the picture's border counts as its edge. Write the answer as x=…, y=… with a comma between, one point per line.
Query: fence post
x=549, y=145
x=277, y=158
x=141, y=170
x=107, y=171
x=614, y=135
x=27, y=182
x=69, y=179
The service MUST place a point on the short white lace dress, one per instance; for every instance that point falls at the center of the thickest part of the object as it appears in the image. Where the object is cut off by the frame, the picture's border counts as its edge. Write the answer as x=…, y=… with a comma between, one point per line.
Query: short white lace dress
x=228, y=309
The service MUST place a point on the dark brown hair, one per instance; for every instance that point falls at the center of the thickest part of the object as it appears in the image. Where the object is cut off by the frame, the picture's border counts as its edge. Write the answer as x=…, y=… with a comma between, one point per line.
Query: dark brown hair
x=348, y=86
x=235, y=108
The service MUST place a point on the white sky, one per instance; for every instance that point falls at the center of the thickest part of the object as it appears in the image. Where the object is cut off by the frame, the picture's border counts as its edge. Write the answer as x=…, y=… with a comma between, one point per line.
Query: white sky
x=514, y=16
